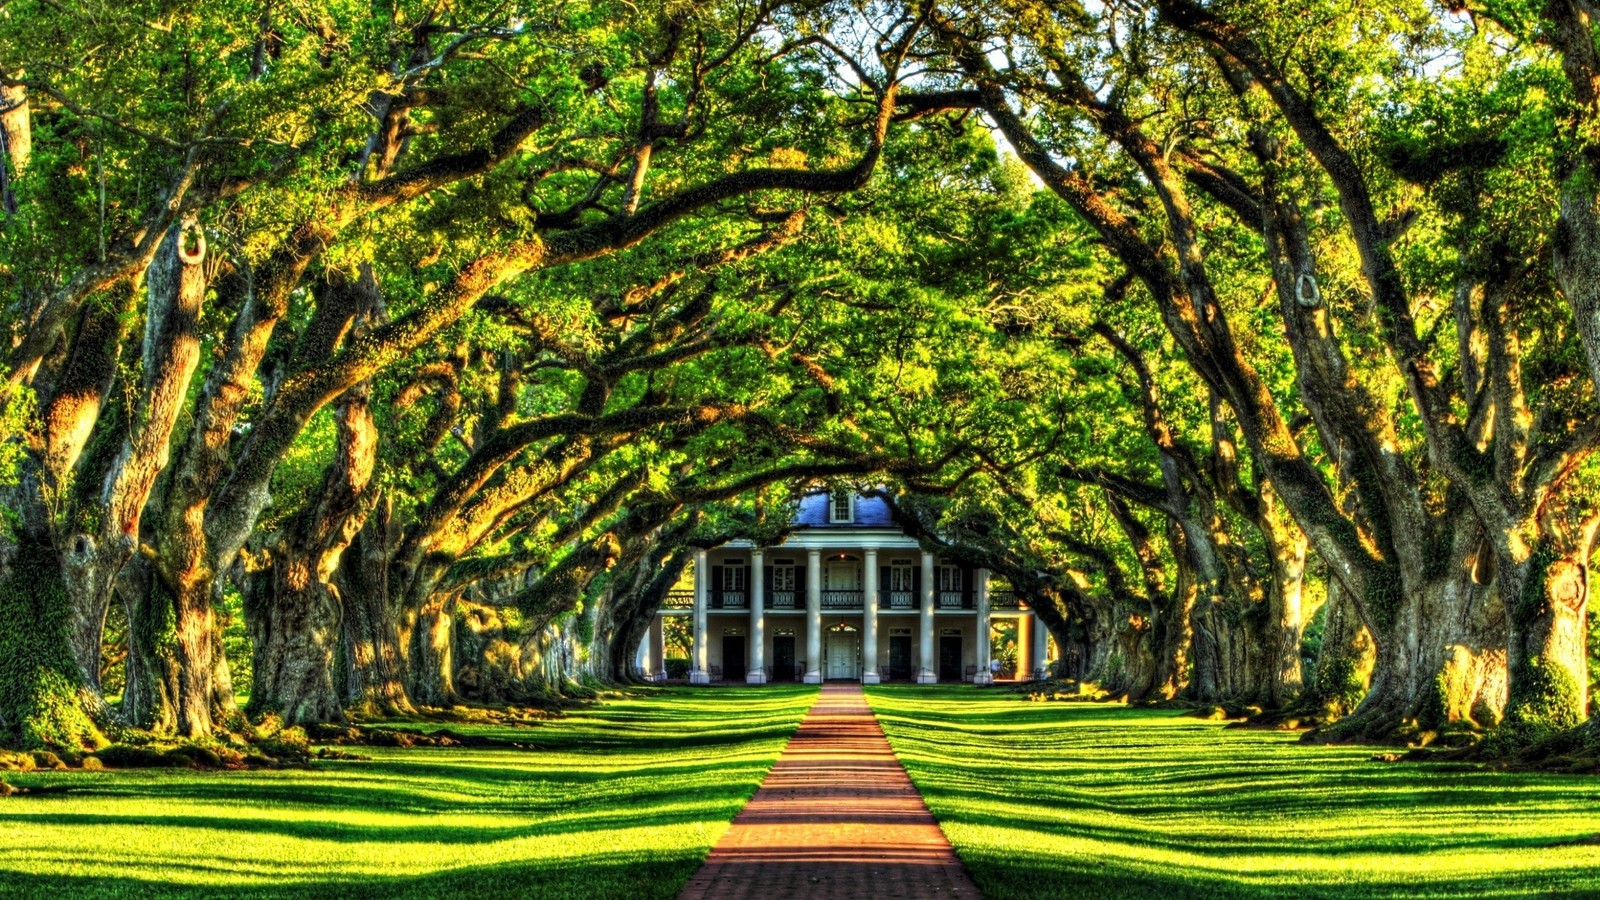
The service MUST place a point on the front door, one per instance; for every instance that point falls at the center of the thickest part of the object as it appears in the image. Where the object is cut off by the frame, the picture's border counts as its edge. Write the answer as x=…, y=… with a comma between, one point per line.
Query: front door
x=949, y=657
x=733, y=667
x=842, y=655
x=783, y=657
x=900, y=656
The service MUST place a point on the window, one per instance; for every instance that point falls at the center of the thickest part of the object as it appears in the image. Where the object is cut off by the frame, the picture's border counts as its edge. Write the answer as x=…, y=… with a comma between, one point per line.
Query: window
x=902, y=585
x=841, y=508
x=783, y=578
x=900, y=577
x=733, y=578
x=949, y=578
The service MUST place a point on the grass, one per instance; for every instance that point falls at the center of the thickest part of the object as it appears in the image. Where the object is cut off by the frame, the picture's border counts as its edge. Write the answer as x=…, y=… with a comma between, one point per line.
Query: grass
x=621, y=800
x=1101, y=801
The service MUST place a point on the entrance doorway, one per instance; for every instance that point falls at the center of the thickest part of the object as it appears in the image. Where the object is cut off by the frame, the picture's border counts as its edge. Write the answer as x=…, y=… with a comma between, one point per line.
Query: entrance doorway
x=733, y=658
x=949, y=657
x=899, y=656
x=843, y=653
x=783, y=657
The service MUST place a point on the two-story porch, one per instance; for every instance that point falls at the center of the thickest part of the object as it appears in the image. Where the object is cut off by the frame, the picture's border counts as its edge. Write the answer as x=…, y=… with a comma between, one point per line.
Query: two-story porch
x=849, y=597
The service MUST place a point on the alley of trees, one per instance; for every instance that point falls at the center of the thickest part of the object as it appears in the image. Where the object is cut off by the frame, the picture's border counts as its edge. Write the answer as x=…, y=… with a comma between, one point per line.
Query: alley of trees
x=365, y=358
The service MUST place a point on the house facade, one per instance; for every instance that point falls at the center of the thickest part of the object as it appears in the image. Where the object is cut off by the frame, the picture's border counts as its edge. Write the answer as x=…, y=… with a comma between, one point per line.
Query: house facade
x=846, y=596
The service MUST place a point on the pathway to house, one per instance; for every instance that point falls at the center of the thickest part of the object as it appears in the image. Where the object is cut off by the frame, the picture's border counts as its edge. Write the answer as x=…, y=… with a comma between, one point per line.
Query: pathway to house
x=836, y=817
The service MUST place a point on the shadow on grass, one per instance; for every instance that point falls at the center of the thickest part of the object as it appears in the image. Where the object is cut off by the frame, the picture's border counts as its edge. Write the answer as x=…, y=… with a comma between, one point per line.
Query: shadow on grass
x=591, y=876
x=1079, y=800
x=623, y=800
x=1105, y=881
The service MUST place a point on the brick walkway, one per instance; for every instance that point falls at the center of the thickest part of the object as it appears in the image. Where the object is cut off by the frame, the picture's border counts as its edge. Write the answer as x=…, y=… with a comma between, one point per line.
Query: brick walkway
x=836, y=817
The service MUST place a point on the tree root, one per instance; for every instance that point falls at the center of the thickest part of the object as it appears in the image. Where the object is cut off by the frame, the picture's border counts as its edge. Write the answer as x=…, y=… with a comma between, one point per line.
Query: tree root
x=355, y=735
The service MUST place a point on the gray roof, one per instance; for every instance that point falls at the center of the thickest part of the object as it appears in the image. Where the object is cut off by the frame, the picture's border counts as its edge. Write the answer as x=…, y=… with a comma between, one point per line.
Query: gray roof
x=871, y=512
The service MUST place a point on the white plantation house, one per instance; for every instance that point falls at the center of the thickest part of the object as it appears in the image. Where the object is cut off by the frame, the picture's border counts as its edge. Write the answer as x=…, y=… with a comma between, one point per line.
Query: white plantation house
x=846, y=596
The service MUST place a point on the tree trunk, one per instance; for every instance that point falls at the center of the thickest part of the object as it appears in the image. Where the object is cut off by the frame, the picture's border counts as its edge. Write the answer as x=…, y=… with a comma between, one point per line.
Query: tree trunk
x=174, y=654
x=1346, y=658
x=1199, y=560
x=294, y=623
x=44, y=702
x=16, y=141
x=92, y=560
x=374, y=682
x=1576, y=255
x=1547, y=626
x=1440, y=657
x=196, y=632
x=1170, y=641
x=295, y=618
x=1130, y=668
x=431, y=662
x=1285, y=619
x=150, y=698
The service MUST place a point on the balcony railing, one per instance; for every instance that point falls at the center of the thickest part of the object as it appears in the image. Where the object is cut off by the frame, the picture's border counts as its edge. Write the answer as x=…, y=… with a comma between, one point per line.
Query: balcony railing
x=842, y=599
x=836, y=600
x=1004, y=600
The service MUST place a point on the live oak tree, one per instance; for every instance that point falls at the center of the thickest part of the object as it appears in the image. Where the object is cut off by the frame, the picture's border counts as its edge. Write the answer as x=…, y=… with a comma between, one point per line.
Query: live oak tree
x=346, y=127
x=1463, y=464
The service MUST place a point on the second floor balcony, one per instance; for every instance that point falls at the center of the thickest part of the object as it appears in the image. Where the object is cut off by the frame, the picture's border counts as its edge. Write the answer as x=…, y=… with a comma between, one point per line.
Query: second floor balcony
x=837, y=601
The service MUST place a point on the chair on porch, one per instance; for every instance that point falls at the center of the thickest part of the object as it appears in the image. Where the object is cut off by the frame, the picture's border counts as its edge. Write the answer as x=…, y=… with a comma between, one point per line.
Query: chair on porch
x=800, y=670
x=972, y=674
x=716, y=673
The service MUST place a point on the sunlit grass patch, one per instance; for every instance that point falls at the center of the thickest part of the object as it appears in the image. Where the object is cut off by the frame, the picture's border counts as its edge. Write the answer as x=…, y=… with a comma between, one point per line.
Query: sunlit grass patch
x=624, y=799
x=1101, y=801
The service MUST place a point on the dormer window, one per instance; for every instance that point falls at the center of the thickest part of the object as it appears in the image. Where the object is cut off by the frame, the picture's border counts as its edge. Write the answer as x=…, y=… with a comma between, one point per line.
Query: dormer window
x=841, y=508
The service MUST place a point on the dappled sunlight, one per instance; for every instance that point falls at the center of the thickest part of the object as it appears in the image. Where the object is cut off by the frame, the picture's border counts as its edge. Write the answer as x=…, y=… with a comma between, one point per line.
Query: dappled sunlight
x=1077, y=799
x=596, y=809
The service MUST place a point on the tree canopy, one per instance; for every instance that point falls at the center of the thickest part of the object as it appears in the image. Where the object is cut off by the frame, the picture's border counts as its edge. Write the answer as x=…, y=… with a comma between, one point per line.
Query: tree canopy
x=1258, y=350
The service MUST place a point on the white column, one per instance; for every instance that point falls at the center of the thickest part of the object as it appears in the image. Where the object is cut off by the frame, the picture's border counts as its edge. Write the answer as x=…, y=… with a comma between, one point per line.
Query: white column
x=1024, y=646
x=981, y=592
x=658, y=649
x=814, y=617
x=641, y=657
x=700, y=672
x=869, y=621
x=927, y=664
x=758, y=621
x=1041, y=648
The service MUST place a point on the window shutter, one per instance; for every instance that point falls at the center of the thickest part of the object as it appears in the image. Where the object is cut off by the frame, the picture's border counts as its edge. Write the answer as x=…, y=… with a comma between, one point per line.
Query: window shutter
x=883, y=585
x=766, y=583
x=799, y=583
x=716, y=587
x=916, y=580
x=967, y=586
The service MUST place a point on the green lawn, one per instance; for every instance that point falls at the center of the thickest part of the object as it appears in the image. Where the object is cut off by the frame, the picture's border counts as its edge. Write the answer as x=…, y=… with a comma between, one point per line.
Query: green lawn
x=1101, y=801
x=622, y=800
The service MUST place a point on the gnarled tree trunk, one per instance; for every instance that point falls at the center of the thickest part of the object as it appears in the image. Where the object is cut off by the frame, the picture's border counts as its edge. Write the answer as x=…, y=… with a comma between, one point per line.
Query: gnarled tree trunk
x=373, y=664
x=1548, y=621
x=44, y=701
x=1439, y=654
